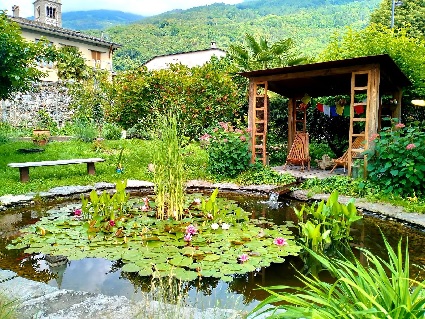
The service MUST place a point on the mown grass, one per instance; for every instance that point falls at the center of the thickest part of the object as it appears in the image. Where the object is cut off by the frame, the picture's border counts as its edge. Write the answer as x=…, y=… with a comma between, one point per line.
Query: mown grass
x=136, y=157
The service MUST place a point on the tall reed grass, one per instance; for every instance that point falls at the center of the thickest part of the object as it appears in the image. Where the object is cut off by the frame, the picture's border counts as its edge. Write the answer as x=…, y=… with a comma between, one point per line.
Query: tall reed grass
x=169, y=175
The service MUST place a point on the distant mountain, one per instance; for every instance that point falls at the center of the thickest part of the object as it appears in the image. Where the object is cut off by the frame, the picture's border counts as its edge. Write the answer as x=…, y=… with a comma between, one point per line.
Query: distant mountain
x=310, y=23
x=97, y=19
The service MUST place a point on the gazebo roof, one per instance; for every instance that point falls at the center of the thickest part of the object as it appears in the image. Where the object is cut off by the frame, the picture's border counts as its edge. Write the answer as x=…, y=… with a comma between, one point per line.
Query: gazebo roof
x=329, y=78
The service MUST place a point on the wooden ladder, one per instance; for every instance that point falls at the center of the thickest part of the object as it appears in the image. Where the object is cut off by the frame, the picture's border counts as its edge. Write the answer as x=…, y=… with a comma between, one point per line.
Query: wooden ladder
x=360, y=84
x=259, y=123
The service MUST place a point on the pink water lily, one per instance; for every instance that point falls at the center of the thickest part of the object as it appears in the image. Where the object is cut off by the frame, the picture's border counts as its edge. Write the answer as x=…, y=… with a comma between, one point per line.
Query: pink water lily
x=112, y=223
x=187, y=237
x=242, y=258
x=191, y=230
x=78, y=212
x=145, y=208
x=280, y=241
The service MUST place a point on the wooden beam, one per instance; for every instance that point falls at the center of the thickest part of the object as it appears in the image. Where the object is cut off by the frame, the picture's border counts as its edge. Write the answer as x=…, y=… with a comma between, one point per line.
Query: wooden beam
x=397, y=112
x=291, y=121
x=251, y=117
x=315, y=73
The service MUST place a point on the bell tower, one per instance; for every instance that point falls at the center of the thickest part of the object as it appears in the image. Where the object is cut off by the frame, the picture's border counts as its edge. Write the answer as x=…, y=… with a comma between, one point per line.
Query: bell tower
x=48, y=12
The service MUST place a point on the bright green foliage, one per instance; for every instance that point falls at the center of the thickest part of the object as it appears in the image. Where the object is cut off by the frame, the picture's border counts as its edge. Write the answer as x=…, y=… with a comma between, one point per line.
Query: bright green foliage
x=255, y=55
x=169, y=175
x=325, y=228
x=260, y=175
x=407, y=52
x=397, y=163
x=70, y=64
x=344, y=185
x=228, y=150
x=199, y=245
x=104, y=213
x=409, y=14
x=382, y=289
x=18, y=59
x=199, y=96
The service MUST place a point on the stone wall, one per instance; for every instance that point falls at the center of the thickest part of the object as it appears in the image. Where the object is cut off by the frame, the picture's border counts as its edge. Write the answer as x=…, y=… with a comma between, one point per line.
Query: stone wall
x=22, y=109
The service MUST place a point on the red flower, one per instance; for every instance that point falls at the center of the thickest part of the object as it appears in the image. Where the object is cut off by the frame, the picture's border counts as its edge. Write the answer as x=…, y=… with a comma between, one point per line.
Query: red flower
x=112, y=223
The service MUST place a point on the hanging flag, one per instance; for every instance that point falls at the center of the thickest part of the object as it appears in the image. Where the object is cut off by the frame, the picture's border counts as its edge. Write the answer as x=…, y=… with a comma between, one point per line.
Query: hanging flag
x=347, y=111
x=327, y=110
x=359, y=109
x=320, y=107
x=339, y=109
x=333, y=111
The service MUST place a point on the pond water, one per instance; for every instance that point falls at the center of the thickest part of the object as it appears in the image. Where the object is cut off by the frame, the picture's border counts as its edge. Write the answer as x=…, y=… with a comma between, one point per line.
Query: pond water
x=102, y=276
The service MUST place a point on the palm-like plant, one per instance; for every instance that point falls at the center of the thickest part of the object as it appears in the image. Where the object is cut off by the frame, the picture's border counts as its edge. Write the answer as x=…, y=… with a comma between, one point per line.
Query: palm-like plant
x=381, y=290
x=262, y=55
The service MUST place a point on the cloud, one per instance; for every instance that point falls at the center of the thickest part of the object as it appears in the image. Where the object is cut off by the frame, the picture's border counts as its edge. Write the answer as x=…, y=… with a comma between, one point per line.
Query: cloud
x=142, y=7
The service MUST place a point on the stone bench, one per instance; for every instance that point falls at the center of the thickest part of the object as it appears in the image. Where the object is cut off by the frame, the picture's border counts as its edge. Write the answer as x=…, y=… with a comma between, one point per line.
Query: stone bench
x=24, y=167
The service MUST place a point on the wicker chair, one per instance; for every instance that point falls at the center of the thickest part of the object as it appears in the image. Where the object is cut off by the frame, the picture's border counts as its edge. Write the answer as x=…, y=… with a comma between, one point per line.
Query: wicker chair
x=343, y=160
x=299, y=153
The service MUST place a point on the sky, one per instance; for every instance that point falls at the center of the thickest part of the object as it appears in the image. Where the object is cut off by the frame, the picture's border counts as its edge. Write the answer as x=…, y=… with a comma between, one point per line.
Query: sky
x=142, y=7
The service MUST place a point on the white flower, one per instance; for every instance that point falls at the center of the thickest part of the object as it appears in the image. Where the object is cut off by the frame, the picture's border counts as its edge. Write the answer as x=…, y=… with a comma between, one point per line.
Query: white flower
x=214, y=226
x=197, y=201
x=225, y=226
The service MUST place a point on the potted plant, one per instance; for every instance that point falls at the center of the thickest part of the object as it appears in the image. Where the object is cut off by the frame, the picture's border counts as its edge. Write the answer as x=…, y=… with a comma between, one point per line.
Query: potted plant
x=40, y=139
x=43, y=124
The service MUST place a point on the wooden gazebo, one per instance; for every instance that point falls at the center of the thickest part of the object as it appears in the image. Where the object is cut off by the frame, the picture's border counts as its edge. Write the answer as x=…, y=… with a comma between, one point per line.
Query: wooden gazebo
x=369, y=76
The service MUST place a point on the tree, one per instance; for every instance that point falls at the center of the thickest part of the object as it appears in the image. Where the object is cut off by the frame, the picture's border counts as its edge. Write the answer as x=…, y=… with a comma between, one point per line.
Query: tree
x=18, y=59
x=71, y=64
x=407, y=52
x=410, y=14
x=261, y=54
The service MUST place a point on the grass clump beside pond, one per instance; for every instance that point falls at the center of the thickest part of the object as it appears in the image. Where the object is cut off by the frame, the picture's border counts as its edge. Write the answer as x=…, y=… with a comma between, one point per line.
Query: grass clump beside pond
x=383, y=289
x=362, y=188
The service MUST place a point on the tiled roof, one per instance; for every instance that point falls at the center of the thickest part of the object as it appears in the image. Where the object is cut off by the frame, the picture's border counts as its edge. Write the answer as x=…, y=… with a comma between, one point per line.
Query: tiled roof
x=47, y=28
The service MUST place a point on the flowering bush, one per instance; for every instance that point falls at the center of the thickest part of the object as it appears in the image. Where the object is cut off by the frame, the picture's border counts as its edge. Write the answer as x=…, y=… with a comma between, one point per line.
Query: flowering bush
x=398, y=161
x=228, y=150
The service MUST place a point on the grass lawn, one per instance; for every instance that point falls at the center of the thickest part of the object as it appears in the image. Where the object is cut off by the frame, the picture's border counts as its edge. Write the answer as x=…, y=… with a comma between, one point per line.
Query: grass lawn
x=136, y=157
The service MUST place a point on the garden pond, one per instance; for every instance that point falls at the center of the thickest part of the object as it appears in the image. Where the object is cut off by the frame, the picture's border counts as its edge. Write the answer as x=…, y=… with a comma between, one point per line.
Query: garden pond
x=239, y=291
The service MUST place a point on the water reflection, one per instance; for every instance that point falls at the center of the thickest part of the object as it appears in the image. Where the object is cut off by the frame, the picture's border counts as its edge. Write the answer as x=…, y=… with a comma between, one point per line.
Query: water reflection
x=102, y=276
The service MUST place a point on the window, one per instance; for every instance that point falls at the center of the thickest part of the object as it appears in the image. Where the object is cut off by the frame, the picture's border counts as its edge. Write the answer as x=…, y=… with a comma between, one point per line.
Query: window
x=51, y=12
x=96, y=57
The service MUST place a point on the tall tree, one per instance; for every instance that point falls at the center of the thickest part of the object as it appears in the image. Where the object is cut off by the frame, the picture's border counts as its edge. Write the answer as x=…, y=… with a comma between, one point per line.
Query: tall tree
x=408, y=14
x=18, y=58
x=261, y=54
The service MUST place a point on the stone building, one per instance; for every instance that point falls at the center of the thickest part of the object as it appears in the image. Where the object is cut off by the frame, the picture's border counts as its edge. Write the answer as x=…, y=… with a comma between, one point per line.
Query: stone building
x=50, y=95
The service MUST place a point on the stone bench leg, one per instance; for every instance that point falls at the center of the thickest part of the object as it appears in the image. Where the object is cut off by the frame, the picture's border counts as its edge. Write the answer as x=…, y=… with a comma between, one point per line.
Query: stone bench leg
x=90, y=169
x=24, y=173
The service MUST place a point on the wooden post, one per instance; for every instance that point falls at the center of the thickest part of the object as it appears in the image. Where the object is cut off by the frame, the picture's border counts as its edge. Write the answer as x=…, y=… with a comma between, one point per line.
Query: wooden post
x=90, y=168
x=372, y=117
x=291, y=121
x=251, y=117
x=24, y=174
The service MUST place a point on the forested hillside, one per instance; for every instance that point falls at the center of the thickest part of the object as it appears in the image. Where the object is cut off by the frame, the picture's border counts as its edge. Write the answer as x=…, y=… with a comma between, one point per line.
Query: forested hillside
x=310, y=23
x=97, y=19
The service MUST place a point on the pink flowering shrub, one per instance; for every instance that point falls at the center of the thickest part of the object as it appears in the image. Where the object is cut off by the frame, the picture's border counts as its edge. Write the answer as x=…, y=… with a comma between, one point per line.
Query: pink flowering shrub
x=398, y=162
x=228, y=150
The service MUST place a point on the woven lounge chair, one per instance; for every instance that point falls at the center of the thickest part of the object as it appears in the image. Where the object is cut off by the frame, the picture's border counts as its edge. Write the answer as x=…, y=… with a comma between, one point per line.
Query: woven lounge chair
x=343, y=160
x=299, y=153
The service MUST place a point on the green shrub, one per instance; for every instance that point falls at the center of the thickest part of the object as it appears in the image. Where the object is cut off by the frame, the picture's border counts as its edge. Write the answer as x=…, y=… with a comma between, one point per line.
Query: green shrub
x=259, y=174
x=397, y=163
x=198, y=96
x=144, y=129
x=228, y=150
x=382, y=289
x=85, y=131
x=111, y=131
x=317, y=150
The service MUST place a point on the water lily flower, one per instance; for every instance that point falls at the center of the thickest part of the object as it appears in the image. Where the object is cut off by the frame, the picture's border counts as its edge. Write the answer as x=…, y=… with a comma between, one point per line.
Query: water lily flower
x=410, y=146
x=112, y=223
x=197, y=201
x=145, y=208
x=225, y=226
x=187, y=237
x=210, y=216
x=78, y=212
x=242, y=258
x=280, y=241
x=191, y=230
x=214, y=226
